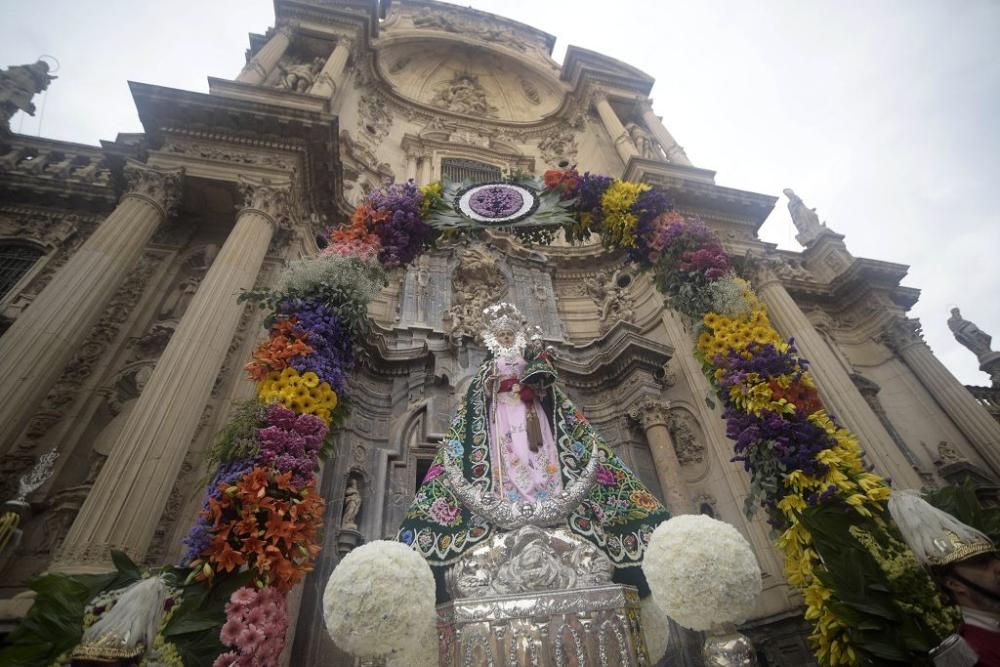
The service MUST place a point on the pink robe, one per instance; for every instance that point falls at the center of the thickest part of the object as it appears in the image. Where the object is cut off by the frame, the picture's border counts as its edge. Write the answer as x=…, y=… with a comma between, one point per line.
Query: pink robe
x=523, y=475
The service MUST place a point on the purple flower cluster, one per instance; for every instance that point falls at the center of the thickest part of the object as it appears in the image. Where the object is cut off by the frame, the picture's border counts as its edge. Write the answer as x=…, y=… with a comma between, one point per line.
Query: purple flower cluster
x=291, y=443
x=332, y=356
x=588, y=196
x=402, y=232
x=765, y=360
x=650, y=205
x=200, y=535
x=795, y=441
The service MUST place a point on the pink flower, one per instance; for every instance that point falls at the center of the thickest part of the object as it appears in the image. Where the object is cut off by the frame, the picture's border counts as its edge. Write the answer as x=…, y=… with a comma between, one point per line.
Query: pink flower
x=254, y=616
x=249, y=639
x=442, y=512
x=227, y=660
x=245, y=596
x=271, y=595
x=230, y=632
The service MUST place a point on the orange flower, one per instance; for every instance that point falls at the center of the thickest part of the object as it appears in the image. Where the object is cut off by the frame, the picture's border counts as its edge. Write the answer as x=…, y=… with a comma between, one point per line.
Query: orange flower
x=228, y=559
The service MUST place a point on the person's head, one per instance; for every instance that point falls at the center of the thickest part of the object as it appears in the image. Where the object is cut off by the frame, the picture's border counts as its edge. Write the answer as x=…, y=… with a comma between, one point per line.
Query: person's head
x=974, y=582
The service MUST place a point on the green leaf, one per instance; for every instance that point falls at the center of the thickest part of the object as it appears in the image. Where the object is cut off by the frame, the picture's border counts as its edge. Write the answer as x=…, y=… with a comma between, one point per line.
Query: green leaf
x=125, y=565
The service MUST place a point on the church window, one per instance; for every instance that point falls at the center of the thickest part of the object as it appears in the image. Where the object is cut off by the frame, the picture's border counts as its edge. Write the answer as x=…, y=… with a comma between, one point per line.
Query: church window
x=15, y=261
x=459, y=170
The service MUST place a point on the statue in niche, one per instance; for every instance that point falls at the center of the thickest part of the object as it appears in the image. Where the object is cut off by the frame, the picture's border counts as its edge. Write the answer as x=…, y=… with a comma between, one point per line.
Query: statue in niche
x=644, y=142
x=423, y=282
x=177, y=302
x=352, y=505
x=465, y=95
x=18, y=85
x=518, y=438
x=299, y=77
x=969, y=335
x=804, y=218
x=121, y=403
x=682, y=430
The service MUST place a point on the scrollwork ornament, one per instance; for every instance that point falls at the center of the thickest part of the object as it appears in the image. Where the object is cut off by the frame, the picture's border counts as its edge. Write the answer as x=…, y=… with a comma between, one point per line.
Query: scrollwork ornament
x=38, y=475
x=160, y=187
x=272, y=200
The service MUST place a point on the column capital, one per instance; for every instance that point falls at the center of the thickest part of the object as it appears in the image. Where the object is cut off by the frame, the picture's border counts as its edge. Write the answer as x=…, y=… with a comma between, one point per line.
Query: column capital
x=650, y=412
x=159, y=187
x=901, y=333
x=287, y=28
x=272, y=200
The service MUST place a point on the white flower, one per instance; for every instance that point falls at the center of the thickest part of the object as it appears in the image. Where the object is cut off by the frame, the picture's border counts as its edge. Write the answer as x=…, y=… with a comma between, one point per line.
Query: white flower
x=379, y=600
x=655, y=629
x=701, y=572
x=423, y=652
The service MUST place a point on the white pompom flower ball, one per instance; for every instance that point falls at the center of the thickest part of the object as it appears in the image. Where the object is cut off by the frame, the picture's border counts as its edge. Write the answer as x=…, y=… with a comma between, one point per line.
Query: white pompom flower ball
x=702, y=572
x=379, y=599
x=655, y=629
x=423, y=652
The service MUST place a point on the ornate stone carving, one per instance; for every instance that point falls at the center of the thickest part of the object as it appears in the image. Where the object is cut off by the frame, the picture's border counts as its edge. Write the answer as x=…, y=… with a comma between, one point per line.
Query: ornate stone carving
x=66, y=389
x=224, y=153
x=707, y=504
x=162, y=188
x=948, y=454
x=439, y=18
x=611, y=294
x=804, y=218
x=558, y=144
x=273, y=200
x=650, y=412
x=399, y=64
x=376, y=118
x=683, y=430
x=969, y=335
x=527, y=560
x=47, y=230
x=902, y=332
x=18, y=85
x=298, y=77
x=530, y=90
x=644, y=142
x=477, y=282
x=668, y=376
x=465, y=95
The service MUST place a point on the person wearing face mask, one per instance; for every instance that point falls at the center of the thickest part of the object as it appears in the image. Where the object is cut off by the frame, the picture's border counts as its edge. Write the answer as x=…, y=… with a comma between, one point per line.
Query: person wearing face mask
x=518, y=436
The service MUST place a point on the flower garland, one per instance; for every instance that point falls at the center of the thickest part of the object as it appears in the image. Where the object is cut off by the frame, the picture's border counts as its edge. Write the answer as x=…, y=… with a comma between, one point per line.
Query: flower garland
x=798, y=457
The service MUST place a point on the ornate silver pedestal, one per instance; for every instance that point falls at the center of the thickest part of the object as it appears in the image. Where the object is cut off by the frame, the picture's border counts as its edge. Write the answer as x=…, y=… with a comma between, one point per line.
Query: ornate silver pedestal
x=538, y=596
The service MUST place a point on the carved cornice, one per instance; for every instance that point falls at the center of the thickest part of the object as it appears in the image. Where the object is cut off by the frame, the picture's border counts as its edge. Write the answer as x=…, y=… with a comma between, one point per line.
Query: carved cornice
x=158, y=187
x=245, y=123
x=608, y=362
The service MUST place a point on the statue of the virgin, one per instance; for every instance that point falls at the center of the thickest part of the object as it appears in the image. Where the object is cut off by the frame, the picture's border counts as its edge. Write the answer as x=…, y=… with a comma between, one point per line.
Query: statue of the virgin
x=519, y=452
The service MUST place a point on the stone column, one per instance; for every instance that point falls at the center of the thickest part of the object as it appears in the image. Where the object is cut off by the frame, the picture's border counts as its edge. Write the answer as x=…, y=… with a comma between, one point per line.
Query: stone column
x=840, y=395
x=619, y=135
x=265, y=60
x=904, y=337
x=426, y=170
x=411, y=166
x=653, y=416
x=329, y=79
x=43, y=339
x=131, y=491
x=675, y=153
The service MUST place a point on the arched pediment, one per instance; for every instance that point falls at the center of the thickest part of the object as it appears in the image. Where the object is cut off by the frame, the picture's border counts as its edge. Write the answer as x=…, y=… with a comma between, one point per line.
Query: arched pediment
x=451, y=75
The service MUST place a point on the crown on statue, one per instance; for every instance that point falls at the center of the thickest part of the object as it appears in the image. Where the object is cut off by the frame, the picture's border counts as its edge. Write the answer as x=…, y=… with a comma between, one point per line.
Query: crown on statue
x=505, y=317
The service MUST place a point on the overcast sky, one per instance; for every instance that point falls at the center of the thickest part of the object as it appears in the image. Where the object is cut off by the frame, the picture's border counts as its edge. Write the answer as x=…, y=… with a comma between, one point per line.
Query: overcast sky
x=883, y=115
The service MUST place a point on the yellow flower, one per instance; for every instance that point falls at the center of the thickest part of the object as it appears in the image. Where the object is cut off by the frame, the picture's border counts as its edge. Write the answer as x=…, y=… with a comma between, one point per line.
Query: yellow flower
x=289, y=372
x=310, y=379
x=619, y=220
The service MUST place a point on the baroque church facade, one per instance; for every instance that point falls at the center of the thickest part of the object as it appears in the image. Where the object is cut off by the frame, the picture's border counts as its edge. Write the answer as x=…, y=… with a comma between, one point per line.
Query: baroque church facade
x=120, y=265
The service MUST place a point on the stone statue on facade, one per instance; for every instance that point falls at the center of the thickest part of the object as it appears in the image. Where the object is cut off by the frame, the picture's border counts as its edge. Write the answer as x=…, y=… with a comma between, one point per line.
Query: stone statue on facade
x=610, y=294
x=18, y=85
x=465, y=95
x=478, y=282
x=644, y=141
x=299, y=77
x=804, y=218
x=969, y=335
x=352, y=505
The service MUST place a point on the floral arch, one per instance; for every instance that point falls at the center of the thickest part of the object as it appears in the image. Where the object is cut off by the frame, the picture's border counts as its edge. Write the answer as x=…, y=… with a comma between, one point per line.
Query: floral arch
x=864, y=593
